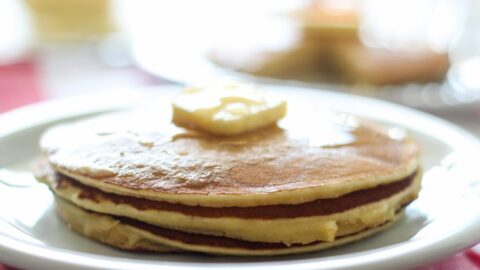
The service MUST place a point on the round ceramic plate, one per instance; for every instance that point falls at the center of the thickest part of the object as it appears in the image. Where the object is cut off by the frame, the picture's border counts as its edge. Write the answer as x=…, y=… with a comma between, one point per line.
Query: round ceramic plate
x=444, y=220
x=190, y=65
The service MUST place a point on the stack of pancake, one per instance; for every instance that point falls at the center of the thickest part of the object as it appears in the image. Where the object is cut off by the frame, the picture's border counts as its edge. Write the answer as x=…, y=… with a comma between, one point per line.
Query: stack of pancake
x=135, y=181
x=346, y=43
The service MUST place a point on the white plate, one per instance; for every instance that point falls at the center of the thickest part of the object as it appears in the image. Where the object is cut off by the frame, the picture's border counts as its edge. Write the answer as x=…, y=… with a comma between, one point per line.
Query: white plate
x=190, y=65
x=181, y=53
x=444, y=220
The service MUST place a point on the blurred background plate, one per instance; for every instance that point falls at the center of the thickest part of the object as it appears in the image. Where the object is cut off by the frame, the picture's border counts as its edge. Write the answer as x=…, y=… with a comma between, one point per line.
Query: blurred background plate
x=361, y=47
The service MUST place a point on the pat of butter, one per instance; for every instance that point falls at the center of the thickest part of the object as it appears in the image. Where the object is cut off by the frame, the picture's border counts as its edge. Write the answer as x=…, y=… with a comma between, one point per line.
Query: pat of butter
x=227, y=109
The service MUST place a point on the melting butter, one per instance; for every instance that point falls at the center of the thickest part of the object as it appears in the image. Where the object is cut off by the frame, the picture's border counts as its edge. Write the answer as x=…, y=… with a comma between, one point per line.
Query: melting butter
x=227, y=109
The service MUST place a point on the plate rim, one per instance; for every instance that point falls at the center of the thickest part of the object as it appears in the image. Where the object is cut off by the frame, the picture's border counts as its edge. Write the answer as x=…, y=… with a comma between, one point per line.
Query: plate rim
x=12, y=250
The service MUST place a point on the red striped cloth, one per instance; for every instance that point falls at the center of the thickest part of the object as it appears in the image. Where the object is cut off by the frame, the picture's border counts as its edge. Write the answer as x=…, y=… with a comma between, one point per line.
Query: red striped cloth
x=20, y=84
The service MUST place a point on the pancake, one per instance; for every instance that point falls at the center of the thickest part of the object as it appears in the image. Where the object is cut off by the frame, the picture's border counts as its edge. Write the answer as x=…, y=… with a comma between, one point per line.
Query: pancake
x=134, y=180
x=133, y=235
x=106, y=229
x=358, y=211
x=141, y=154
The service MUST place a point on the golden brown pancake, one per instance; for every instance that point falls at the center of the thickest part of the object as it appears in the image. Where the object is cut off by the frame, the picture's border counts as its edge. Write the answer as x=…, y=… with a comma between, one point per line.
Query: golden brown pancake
x=106, y=229
x=313, y=181
x=133, y=235
x=327, y=219
x=141, y=154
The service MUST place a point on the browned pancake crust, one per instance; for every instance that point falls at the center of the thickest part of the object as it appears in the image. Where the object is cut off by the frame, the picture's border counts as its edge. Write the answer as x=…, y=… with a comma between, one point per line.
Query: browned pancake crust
x=318, y=207
x=147, y=156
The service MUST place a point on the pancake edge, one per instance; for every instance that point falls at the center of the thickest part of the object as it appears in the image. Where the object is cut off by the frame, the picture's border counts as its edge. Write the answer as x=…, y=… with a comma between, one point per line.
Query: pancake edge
x=295, y=196
x=127, y=237
x=287, y=230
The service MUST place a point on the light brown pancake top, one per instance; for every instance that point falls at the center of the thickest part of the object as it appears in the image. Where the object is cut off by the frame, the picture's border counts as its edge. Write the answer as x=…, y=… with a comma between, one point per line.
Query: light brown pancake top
x=310, y=155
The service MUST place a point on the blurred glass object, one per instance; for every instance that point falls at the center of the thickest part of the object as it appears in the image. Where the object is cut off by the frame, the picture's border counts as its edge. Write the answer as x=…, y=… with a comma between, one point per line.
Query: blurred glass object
x=174, y=36
x=411, y=24
x=464, y=74
x=75, y=46
x=63, y=20
x=14, y=41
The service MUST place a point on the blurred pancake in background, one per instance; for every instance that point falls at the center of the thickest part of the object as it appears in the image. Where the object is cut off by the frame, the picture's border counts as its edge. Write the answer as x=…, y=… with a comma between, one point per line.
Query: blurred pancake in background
x=342, y=42
x=366, y=48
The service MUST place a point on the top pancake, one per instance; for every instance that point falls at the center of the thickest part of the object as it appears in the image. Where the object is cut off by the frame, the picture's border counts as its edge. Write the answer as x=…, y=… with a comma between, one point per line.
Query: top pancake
x=309, y=155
